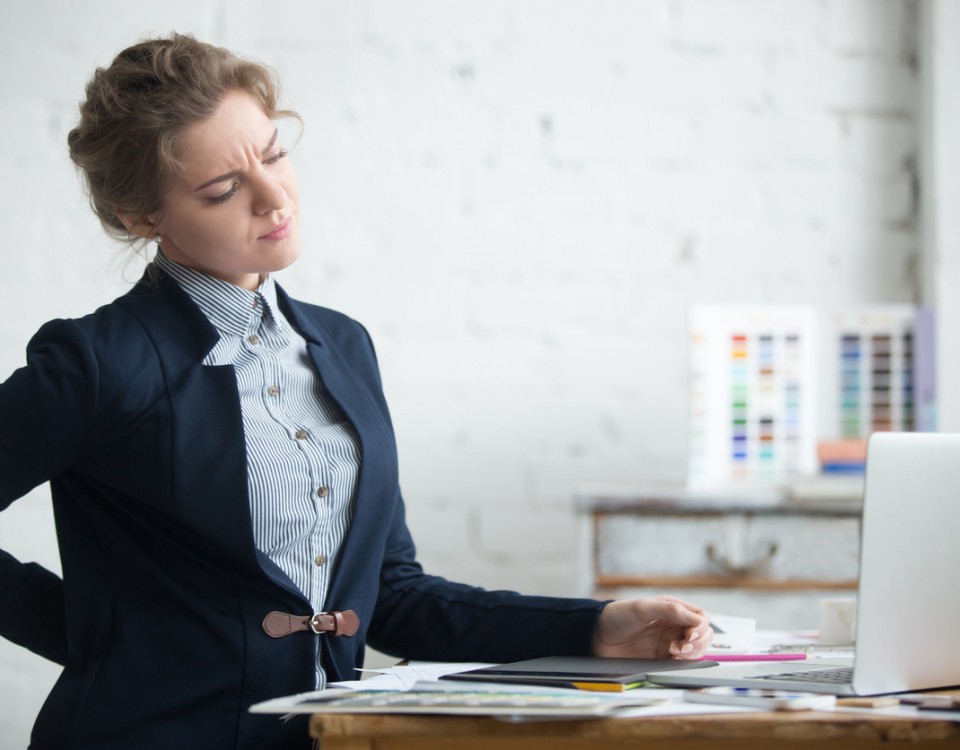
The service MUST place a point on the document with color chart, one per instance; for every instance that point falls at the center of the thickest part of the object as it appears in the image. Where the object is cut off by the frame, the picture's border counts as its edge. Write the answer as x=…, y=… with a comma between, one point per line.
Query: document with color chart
x=752, y=395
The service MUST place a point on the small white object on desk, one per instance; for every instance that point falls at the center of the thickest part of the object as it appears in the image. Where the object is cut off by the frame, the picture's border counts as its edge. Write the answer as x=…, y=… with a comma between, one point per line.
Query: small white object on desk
x=771, y=700
x=733, y=633
x=838, y=621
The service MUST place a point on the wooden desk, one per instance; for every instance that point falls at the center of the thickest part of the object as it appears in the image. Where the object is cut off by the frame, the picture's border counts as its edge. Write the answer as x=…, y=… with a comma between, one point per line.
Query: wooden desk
x=759, y=731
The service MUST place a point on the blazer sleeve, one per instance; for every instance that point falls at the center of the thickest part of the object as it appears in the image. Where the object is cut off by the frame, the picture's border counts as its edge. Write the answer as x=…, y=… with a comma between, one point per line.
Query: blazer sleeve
x=46, y=407
x=420, y=616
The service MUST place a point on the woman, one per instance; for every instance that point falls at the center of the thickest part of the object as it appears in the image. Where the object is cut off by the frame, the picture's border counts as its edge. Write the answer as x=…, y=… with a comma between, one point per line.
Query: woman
x=221, y=458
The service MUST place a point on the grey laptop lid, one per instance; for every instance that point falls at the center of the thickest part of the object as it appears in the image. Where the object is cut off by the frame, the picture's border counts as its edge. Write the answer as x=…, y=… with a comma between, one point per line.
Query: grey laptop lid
x=908, y=601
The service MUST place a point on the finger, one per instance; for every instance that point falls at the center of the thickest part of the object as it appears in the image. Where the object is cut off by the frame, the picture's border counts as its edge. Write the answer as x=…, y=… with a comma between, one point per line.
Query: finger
x=693, y=645
x=699, y=646
x=691, y=607
x=701, y=630
x=676, y=613
x=681, y=649
x=688, y=605
x=706, y=640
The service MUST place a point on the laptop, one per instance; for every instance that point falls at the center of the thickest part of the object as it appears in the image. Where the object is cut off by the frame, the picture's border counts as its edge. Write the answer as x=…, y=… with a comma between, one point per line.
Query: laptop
x=908, y=602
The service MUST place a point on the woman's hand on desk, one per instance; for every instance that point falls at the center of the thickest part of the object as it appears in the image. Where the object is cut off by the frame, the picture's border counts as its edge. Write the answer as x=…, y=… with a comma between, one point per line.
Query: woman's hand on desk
x=657, y=628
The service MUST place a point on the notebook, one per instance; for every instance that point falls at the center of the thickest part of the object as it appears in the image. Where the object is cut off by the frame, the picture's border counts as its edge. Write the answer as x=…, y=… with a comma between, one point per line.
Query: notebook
x=581, y=672
x=907, y=603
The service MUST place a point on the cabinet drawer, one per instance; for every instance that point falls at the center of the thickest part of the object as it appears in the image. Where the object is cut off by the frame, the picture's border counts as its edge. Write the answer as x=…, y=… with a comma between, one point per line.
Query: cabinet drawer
x=725, y=549
x=821, y=549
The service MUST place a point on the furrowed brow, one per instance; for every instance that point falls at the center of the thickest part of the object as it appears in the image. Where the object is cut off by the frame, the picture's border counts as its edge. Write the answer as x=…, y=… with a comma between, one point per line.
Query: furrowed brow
x=236, y=173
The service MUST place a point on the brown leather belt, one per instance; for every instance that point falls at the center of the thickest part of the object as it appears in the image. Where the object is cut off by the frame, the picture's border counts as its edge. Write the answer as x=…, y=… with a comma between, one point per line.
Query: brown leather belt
x=279, y=624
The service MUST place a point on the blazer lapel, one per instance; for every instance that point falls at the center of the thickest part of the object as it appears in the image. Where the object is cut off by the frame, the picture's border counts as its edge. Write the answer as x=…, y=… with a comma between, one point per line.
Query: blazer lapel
x=209, y=452
x=377, y=485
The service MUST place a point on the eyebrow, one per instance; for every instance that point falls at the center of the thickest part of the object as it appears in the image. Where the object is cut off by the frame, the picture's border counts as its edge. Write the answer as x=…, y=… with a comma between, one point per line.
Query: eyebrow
x=235, y=173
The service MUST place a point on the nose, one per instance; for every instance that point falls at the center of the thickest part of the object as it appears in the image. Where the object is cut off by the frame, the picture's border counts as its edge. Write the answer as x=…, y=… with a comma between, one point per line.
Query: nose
x=268, y=193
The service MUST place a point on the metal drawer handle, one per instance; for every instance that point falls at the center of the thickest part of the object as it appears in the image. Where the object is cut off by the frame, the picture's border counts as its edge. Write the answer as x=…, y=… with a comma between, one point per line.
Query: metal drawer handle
x=741, y=571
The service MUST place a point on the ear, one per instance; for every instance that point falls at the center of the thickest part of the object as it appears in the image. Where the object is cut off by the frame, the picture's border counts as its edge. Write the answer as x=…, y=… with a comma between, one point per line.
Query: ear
x=145, y=227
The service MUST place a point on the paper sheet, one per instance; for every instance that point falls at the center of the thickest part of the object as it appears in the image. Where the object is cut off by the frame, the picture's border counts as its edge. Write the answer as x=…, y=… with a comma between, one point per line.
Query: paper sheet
x=406, y=676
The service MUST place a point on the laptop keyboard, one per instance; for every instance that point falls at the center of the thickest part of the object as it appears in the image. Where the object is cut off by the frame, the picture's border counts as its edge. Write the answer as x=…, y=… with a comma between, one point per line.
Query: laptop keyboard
x=839, y=676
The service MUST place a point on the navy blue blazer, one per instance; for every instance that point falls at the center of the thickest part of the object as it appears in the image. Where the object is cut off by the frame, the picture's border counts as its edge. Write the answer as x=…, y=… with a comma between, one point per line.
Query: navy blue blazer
x=157, y=619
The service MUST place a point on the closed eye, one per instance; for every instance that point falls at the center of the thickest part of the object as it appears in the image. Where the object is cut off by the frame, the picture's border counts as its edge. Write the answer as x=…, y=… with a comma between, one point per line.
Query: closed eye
x=276, y=157
x=216, y=200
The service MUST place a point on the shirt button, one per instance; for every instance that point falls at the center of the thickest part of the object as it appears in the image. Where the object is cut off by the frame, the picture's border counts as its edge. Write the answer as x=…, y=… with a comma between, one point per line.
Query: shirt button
x=253, y=339
x=301, y=434
x=273, y=390
x=320, y=560
x=323, y=492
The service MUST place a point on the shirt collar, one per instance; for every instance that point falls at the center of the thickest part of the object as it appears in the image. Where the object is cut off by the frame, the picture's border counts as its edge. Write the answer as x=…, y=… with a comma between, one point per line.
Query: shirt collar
x=231, y=309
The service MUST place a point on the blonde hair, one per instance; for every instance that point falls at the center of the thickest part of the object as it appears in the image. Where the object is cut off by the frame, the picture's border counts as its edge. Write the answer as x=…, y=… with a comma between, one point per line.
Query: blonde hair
x=124, y=144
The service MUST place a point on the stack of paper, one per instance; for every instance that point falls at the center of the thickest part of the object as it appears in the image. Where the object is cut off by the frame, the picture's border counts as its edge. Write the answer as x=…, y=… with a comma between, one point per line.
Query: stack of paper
x=427, y=699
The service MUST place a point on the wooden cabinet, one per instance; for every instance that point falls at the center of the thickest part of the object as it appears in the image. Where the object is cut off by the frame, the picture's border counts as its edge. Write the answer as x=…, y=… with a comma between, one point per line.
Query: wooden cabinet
x=769, y=561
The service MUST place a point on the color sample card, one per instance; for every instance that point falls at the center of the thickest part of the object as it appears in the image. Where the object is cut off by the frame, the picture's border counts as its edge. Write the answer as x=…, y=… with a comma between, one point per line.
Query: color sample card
x=753, y=395
x=768, y=383
x=876, y=357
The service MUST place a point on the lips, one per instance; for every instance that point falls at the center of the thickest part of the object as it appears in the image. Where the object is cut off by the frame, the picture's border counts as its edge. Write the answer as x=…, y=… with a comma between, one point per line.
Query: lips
x=279, y=232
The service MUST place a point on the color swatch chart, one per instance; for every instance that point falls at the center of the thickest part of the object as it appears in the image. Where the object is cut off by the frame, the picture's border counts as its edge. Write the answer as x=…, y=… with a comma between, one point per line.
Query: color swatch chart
x=876, y=370
x=752, y=395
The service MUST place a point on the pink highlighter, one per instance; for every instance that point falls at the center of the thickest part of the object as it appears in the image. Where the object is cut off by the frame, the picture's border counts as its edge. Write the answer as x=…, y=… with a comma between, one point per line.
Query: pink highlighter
x=753, y=657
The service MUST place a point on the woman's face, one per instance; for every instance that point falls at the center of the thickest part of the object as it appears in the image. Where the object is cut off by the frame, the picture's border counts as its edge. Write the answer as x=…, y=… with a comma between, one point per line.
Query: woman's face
x=233, y=212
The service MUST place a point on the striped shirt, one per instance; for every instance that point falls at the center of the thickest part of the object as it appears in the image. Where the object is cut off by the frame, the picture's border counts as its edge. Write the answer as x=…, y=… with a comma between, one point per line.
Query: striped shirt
x=303, y=455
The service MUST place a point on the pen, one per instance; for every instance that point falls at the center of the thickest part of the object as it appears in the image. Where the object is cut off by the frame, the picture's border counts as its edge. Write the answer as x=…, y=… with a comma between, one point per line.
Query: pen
x=753, y=657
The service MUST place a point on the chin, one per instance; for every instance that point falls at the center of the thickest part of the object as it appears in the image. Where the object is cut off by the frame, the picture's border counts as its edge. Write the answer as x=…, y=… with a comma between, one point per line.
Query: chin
x=284, y=259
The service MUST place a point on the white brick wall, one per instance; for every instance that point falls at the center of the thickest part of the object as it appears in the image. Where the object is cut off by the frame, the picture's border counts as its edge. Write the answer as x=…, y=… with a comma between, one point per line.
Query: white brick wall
x=520, y=200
